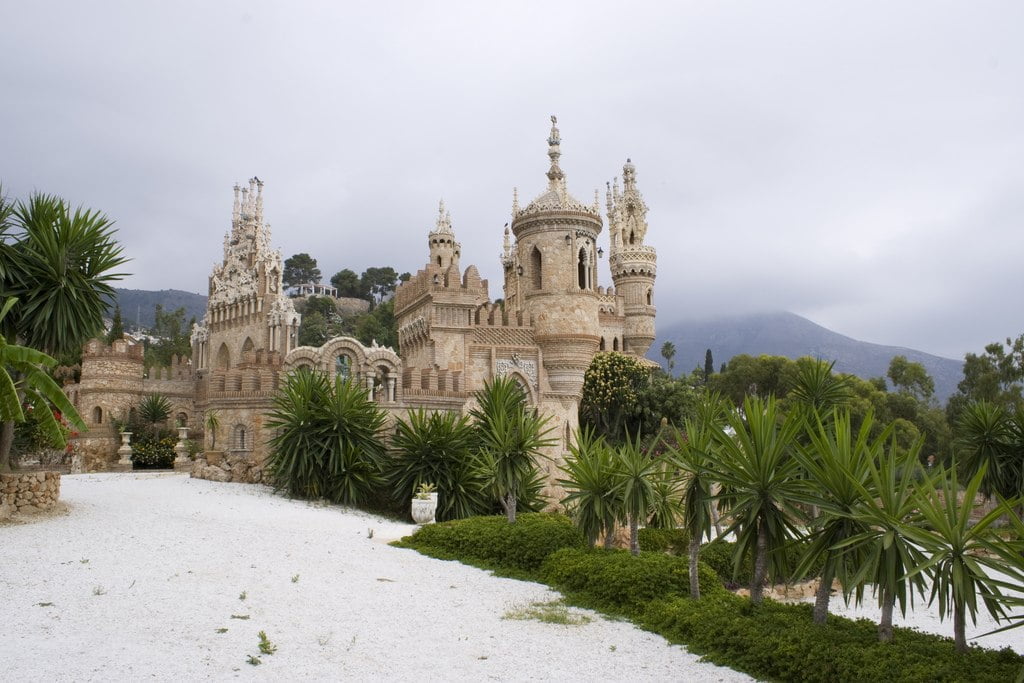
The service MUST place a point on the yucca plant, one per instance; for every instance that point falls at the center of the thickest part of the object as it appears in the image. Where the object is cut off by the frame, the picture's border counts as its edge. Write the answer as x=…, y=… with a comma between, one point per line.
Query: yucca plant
x=637, y=477
x=962, y=554
x=510, y=438
x=327, y=442
x=756, y=467
x=438, y=448
x=154, y=408
x=589, y=482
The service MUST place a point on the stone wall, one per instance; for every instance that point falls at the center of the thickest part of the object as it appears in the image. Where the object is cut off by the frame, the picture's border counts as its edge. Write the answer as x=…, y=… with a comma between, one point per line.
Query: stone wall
x=26, y=492
x=228, y=466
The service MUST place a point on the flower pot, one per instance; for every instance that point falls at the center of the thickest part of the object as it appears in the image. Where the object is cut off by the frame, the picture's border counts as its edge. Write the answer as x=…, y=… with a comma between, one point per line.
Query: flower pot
x=424, y=509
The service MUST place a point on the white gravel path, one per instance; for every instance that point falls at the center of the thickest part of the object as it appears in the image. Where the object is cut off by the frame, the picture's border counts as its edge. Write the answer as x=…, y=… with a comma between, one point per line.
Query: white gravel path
x=144, y=569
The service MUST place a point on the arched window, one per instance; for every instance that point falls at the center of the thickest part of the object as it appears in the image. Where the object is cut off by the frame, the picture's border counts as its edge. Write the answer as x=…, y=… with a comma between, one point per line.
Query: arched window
x=223, y=357
x=343, y=366
x=247, y=346
x=601, y=347
x=439, y=260
x=582, y=268
x=649, y=296
x=535, y=267
x=181, y=419
x=615, y=344
x=97, y=415
x=241, y=439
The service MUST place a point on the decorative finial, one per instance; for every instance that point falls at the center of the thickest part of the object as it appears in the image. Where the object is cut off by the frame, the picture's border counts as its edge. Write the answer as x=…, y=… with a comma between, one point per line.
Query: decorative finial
x=554, y=152
x=444, y=219
x=515, y=201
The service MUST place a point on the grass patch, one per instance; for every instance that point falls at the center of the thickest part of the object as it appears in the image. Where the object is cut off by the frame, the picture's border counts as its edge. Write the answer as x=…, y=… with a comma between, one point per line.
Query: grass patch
x=554, y=612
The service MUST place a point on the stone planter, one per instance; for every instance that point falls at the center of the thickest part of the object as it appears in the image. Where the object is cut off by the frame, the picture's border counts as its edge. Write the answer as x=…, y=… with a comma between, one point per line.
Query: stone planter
x=424, y=509
x=181, y=461
x=125, y=451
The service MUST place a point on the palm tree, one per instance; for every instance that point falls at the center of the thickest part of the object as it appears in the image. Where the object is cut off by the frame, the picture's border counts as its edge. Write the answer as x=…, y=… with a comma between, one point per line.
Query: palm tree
x=212, y=422
x=24, y=380
x=836, y=461
x=510, y=438
x=668, y=352
x=60, y=266
x=154, y=408
x=887, y=553
x=756, y=467
x=589, y=482
x=962, y=556
x=636, y=476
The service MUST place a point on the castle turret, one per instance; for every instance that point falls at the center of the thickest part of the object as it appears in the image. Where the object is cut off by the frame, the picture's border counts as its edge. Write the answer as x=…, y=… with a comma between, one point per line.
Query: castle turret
x=633, y=264
x=444, y=250
x=552, y=279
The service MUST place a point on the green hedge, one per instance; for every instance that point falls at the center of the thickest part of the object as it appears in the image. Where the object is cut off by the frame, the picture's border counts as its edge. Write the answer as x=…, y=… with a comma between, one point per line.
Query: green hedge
x=674, y=541
x=496, y=544
x=719, y=556
x=614, y=579
x=779, y=642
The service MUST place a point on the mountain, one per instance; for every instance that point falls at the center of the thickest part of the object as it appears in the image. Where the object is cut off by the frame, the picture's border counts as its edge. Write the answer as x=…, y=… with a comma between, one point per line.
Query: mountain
x=789, y=335
x=137, y=305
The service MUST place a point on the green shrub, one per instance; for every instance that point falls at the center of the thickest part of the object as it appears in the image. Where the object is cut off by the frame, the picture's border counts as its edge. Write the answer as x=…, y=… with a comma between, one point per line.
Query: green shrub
x=779, y=642
x=617, y=580
x=152, y=453
x=494, y=543
x=673, y=541
x=719, y=555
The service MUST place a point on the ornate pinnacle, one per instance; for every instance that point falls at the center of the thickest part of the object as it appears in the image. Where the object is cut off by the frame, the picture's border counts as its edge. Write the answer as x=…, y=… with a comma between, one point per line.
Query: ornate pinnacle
x=515, y=201
x=554, y=152
x=444, y=219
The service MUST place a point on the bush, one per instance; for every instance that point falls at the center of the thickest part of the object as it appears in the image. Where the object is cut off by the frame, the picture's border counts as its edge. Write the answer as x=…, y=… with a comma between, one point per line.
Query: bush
x=719, y=556
x=496, y=544
x=153, y=453
x=617, y=580
x=672, y=541
x=779, y=642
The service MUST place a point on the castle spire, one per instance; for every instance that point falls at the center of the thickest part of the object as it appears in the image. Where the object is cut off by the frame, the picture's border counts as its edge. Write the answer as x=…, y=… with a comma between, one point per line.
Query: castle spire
x=236, y=210
x=444, y=220
x=556, y=178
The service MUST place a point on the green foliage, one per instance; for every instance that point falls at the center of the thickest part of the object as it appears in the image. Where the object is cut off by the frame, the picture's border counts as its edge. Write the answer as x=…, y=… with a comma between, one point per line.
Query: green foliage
x=154, y=408
x=379, y=282
x=511, y=437
x=671, y=541
x=348, y=284
x=621, y=582
x=757, y=472
x=212, y=423
x=641, y=483
x=173, y=337
x=378, y=326
x=437, y=448
x=591, y=497
x=611, y=391
x=817, y=390
x=668, y=352
x=779, y=642
x=116, y=327
x=662, y=399
x=59, y=265
x=314, y=330
x=996, y=376
x=327, y=442
x=153, y=452
x=911, y=378
x=496, y=544
x=762, y=376
x=992, y=436
x=300, y=269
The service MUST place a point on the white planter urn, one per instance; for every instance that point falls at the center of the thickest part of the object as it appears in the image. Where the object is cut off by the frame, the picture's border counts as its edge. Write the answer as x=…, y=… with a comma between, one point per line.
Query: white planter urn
x=125, y=451
x=424, y=509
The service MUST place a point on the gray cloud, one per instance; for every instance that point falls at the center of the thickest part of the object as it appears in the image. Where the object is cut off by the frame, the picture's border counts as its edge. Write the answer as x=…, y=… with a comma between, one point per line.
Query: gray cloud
x=858, y=163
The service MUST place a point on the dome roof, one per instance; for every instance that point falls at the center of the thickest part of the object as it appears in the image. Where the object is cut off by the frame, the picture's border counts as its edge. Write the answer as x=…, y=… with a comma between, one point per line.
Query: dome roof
x=556, y=197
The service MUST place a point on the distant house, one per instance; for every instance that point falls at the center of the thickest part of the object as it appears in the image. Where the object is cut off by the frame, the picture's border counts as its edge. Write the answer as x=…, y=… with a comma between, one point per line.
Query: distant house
x=310, y=289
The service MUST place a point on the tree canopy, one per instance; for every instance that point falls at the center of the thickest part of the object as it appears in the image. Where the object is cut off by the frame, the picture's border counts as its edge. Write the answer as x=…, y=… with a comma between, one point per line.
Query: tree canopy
x=300, y=269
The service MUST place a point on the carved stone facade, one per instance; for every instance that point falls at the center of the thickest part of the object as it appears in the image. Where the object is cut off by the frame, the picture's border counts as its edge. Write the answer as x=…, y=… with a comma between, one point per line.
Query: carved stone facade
x=554, y=318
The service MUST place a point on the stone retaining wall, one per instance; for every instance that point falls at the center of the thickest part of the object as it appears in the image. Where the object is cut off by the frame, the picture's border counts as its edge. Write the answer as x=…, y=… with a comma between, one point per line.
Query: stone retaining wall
x=227, y=466
x=25, y=492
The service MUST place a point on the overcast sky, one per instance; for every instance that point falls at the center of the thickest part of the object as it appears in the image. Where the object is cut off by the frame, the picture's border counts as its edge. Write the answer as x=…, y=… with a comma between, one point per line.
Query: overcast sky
x=858, y=163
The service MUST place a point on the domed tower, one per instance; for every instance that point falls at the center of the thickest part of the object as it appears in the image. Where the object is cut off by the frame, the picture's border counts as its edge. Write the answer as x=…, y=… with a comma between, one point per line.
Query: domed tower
x=634, y=265
x=551, y=275
x=444, y=250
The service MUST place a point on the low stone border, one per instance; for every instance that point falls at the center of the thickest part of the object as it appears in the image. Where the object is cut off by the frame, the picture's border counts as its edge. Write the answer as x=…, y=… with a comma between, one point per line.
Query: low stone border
x=27, y=492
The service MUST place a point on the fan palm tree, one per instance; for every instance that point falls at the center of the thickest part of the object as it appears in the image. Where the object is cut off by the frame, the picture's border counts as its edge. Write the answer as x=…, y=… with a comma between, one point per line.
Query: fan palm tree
x=755, y=465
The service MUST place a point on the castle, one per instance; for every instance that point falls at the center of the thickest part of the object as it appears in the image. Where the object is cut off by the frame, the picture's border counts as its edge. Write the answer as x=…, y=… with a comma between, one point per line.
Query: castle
x=552, y=320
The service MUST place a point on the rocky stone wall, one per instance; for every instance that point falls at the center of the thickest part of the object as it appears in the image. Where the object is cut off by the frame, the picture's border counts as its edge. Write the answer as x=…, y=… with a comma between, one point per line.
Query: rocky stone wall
x=26, y=492
x=227, y=466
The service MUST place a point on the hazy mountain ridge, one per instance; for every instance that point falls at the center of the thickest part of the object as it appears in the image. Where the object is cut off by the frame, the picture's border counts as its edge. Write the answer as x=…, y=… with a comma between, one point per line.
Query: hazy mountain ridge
x=137, y=305
x=792, y=336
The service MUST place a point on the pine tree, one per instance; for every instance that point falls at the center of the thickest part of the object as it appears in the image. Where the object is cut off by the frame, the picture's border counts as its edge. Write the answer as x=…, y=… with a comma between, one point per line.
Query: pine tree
x=116, y=327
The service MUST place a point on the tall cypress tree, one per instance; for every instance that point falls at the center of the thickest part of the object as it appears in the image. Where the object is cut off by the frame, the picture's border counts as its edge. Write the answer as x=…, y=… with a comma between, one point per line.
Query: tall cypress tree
x=116, y=327
x=709, y=366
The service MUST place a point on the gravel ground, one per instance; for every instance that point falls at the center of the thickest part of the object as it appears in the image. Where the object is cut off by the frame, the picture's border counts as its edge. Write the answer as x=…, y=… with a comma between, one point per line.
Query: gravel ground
x=142, y=578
